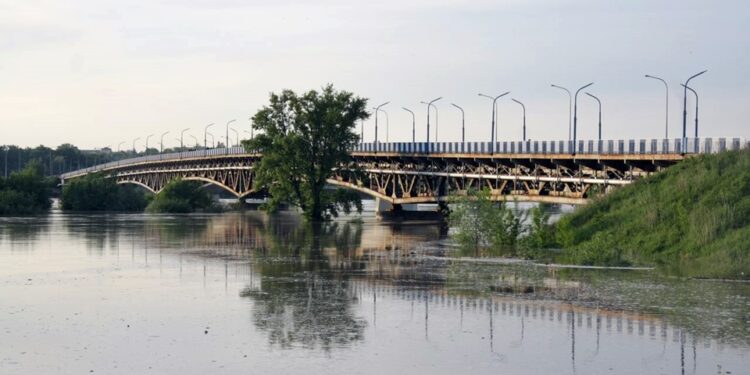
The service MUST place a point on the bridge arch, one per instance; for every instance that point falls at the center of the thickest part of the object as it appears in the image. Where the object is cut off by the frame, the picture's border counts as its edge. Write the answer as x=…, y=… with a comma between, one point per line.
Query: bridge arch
x=141, y=184
x=364, y=190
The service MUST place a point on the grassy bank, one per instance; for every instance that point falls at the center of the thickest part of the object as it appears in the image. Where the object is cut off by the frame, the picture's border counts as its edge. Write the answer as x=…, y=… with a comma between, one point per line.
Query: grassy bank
x=692, y=219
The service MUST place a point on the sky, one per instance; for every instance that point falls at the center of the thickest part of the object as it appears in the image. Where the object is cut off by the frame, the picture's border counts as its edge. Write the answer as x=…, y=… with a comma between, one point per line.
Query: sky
x=99, y=73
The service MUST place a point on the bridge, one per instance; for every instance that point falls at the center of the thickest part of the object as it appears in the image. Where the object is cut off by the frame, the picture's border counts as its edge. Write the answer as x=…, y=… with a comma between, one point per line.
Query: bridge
x=419, y=172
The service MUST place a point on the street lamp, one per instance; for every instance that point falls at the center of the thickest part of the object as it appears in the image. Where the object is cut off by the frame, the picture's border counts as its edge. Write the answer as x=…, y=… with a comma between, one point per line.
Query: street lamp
x=492, y=129
x=213, y=140
x=181, y=135
x=600, y=114
x=236, y=136
x=570, y=105
x=376, y=122
x=463, y=123
x=524, y=118
x=684, y=109
x=362, y=131
x=413, y=123
x=251, y=127
x=205, y=132
x=195, y=139
x=429, y=104
x=135, y=140
x=696, y=109
x=666, y=99
x=227, y=132
x=119, y=144
x=387, y=122
x=149, y=136
x=161, y=142
x=575, y=115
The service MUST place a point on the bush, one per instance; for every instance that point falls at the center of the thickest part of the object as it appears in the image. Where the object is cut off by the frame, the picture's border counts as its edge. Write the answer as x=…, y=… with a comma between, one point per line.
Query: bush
x=25, y=192
x=181, y=196
x=95, y=192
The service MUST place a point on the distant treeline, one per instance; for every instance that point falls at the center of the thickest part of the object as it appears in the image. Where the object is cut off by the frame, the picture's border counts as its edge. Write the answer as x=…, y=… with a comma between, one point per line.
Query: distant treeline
x=26, y=192
x=65, y=157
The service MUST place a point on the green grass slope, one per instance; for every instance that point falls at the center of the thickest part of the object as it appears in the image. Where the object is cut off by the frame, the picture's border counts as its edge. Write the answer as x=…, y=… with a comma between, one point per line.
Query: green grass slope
x=692, y=219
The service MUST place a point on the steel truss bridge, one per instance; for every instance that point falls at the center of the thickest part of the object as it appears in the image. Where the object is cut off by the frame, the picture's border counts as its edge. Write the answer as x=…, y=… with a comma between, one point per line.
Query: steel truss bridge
x=408, y=173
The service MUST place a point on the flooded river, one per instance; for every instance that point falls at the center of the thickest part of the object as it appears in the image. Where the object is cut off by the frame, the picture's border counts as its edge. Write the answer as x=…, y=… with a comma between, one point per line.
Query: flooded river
x=248, y=293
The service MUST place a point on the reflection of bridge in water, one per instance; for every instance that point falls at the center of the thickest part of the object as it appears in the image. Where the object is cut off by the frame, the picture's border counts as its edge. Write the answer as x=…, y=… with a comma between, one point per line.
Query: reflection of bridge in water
x=408, y=173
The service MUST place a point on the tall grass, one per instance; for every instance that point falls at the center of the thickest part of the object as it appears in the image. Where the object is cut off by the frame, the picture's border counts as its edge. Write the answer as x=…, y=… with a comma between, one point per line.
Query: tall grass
x=692, y=219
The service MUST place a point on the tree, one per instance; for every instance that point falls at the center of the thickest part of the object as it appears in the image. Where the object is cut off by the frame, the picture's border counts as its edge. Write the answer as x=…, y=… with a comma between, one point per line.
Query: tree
x=181, y=196
x=485, y=226
x=302, y=139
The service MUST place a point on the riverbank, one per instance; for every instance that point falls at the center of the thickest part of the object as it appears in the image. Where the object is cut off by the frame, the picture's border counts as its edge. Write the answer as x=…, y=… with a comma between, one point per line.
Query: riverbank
x=691, y=220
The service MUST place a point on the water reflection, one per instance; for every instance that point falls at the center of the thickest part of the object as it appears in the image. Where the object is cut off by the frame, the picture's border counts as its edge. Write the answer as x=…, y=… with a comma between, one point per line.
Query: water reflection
x=349, y=284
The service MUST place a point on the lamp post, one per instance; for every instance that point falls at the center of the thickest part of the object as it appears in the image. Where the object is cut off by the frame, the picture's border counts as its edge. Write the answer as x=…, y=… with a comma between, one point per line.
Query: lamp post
x=387, y=126
x=236, y=136
x=376, y=123
x=463, y=123
x=492, y=129
x=227, y=132
x=429, y=104
x=696, y=109
x=196, y=140
x=575, y=115
x=666, y=100
x=181, y=135
x=119, y=144
x=570, y=106
x=161, y=142
x=135, y=140
x=149, y=136
x=205, y=132
x=413, y=123
x=684, y=109
x=213, y=140
x=524, y=118
x=600, y=114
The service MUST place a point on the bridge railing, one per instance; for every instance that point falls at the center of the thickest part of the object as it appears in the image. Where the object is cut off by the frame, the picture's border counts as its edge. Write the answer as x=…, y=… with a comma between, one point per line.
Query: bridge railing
x=582, y=147
x=609, y=147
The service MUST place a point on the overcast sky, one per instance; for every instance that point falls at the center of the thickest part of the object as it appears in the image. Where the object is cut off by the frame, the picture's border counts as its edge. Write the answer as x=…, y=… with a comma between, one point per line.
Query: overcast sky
x=98, y=72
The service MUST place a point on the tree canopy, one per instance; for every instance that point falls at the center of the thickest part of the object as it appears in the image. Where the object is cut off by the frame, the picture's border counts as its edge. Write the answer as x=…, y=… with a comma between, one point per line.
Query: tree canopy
x=302, y=139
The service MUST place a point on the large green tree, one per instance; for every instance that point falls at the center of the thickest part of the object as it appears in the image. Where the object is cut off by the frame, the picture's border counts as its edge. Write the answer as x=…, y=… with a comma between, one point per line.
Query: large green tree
x=302, y=139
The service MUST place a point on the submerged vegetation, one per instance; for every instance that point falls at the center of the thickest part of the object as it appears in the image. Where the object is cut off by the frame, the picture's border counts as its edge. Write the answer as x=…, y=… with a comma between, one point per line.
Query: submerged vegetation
x=180, y=196
x=483, y=227
x=691, y=220
x=25, y=192
x=95, y=192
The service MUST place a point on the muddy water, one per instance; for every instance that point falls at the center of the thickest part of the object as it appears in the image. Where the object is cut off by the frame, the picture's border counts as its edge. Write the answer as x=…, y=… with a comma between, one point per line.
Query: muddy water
x=247, y=293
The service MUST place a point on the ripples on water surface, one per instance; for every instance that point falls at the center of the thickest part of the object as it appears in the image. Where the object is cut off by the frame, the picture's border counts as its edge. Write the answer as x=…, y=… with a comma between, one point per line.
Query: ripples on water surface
x=247, y=293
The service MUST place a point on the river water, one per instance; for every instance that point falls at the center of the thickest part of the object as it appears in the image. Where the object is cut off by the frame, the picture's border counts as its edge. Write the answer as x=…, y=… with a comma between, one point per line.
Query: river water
x=248, y=293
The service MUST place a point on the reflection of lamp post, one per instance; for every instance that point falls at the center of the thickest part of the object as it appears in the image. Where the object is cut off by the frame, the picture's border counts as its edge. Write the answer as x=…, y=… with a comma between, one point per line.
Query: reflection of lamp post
x=463, y=123
x=575, y=115
x=524, y=118
x=684, y=108
x=413, y=123
x=696, y=109
x=492, y=129
x=666, y=117
x=570, y=105
x=205, y=132
x=600, y=114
